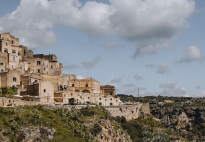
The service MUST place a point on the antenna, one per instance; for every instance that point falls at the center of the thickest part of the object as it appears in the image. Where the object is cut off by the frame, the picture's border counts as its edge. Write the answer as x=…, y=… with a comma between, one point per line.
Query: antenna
x=138, y=93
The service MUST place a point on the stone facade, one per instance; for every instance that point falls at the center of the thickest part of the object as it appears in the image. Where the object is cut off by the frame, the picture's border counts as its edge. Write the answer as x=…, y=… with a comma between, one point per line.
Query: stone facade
x=107, y=90
x=13, y=55
x=40, y=77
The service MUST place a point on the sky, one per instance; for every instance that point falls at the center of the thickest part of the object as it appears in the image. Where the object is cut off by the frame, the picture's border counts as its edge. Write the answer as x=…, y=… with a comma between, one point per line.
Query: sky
x=154, y=45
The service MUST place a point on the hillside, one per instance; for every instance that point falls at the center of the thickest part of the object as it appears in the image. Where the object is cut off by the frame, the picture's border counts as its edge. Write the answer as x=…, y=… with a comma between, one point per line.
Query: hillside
x=88, y=124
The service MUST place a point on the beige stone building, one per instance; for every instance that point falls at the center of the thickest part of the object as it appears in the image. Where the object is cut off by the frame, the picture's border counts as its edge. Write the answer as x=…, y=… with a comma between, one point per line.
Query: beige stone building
x=15, y=56
x=86, y=85
x=40, y=77
x=107, y=90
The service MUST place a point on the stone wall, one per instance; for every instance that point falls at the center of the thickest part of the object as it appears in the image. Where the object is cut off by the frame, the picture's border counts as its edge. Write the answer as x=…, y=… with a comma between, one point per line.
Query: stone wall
x=5, y=102
x=12, y=102
x=128, y=111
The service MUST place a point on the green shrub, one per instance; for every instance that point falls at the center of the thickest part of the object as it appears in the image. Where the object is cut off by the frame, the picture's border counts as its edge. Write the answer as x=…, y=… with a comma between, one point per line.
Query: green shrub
x=96, y=129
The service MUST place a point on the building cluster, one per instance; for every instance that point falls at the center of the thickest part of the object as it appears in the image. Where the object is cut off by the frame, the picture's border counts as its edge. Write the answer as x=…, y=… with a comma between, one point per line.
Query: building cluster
x=40, y=77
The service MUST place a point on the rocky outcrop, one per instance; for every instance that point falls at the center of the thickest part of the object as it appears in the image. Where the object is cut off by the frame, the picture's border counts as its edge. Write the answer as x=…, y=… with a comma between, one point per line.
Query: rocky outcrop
x=35, y=135
x=110, y=134
x=181, y=119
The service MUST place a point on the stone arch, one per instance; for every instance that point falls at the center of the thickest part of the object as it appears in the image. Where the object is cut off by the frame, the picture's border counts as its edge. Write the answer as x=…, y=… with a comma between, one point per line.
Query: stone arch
x=86, y=91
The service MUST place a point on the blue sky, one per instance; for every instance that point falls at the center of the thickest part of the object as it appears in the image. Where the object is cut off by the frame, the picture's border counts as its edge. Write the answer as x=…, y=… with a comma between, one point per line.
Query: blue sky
x=154, y=45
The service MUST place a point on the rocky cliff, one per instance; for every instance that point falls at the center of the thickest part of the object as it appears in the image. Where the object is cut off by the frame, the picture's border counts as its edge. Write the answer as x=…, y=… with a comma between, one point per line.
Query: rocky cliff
x=182, y=118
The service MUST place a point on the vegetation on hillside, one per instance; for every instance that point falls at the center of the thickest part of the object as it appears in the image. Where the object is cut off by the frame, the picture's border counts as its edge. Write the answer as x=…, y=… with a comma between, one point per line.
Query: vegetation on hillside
x=74, y=125
x=68, y=124
x=8, y=91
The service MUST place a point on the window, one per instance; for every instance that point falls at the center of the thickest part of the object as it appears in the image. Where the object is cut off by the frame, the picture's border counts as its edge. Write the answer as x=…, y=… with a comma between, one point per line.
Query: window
x=100, y=103
x=111, y=104
x=14, y=51
x=19, y=54
x=71, y=94
x=24, y=52
x=38, y=62
x=2, y=70
x=6, y=50
x=12, y=42
x=14, y=78
x=38, y=70
x=88, y=97
x=47, y=72
x=73, y=85
x=2, y=64
x=110, y=93
x=44, y=90
x=6, y=44
x=13, y=58
x=99, y=98
x=111, y=99
x=86, y=85
x=36, y=81
x=51, y=66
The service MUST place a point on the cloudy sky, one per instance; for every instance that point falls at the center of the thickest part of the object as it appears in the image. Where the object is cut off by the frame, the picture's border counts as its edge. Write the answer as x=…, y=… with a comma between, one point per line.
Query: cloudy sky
x=157, y=46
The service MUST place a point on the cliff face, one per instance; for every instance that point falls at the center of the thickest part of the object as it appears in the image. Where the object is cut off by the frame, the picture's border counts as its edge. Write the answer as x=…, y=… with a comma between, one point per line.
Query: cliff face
x=110, y=134
x=186, y=121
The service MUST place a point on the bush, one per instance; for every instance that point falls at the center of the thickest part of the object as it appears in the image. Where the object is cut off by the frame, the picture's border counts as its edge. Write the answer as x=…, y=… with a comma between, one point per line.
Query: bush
x=154, y=137
x=96, y=129
x=134, y=129
x=8, y=91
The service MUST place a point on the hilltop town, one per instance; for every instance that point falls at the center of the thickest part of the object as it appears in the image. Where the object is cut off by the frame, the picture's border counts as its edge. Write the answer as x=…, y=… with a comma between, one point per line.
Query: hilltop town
x=65, y=108
x=40, y=78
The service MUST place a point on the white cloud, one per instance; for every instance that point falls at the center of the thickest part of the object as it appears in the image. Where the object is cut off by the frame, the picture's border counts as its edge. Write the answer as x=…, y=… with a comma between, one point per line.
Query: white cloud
x=91, y=64
x=191, y=54
x=137, y=77
x=172, y=89
x=113, y=80
x=203, y=93
x=80, y=77
x=112, y=44
x=163, y=69
x=150, y=24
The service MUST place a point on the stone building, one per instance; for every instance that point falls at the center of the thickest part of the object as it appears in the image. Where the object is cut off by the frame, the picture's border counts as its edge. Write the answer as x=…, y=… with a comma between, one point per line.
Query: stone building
x=86, y=85
x=13, y=55
x=40, y=77
x=107, y=90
